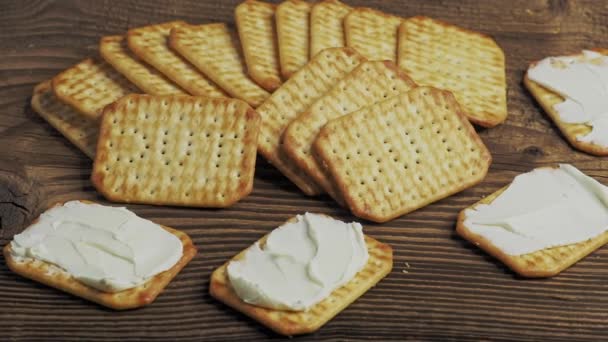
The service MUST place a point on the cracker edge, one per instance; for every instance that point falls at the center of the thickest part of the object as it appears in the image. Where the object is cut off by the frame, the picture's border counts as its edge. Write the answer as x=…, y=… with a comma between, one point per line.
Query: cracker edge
x=97, y=179
x=536, y=89
x=463, y=186
x=157, y=284
x=480, y=122
x=512, y=261
x=38, y=108
x=220, y=289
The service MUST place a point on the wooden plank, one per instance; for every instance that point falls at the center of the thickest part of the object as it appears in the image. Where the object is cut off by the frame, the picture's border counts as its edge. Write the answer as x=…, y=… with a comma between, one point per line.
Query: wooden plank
x=451, y=290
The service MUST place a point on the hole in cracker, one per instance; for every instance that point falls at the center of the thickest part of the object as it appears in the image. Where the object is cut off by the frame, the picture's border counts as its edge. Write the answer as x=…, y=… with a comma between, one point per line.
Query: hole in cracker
x=420, y=178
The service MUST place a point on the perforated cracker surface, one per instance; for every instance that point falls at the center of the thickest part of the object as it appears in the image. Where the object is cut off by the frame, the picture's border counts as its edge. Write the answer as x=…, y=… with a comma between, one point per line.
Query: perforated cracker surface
x=544, y=263
x=469, y=64
x=372, y=33
x=294, y=97
x=176, y=150
x=141, y=295
x=214, y=50
x=91, y=85
x=326, y=25
x=547, y=99
x=255, y=23
x=150, y=43
x=289, y=323
x=403, y=153
x=370, y=82
x=77, y=128
x=293, y=34
x=115, y=51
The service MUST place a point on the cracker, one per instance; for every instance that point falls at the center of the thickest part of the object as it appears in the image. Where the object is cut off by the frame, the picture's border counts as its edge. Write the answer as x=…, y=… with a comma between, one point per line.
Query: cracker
x=544, y=263
x=214, y=50
x=372, y=33
x=547, y=99
x=51, y=275
x=78, y=129
x=326, y=25
x=176, y=150
x=255, y=23
x=295, y=96
x=380, y=264
x=150, y=43
x=115, y=51
x=91, y=85
x=401, y=154
x=293, y=34
x=370, y=82
x=469, y=64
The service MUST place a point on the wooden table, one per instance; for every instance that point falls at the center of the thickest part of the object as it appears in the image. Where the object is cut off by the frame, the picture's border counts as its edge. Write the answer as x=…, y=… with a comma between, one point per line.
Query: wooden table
x=451, y=290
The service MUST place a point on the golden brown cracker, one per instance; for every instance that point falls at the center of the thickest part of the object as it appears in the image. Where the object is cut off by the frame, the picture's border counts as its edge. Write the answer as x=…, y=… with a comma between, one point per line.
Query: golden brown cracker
x=293, y=35
x=77, y=128
x=144, y=294
x=150, y=44
x=379, y=264
x=372, y=33
x=255, y=23
x=214, y=50
x=115, y=51
x=326, y=25
x=176, y=150
x=547, y=99
x=469, y=64
x=401, y=154
x=370, y=82
x=295, y=96
x=544, y=263
x=91, y=85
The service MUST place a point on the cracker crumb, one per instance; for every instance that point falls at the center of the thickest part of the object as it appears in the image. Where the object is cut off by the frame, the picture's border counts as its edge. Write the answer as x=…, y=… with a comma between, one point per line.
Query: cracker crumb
x=405, y=271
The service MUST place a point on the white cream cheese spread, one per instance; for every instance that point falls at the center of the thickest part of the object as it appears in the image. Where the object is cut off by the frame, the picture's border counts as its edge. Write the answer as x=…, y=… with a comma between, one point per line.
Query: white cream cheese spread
x=544, y=208
x=583, y=82
x=108, y=248
x=300, y=264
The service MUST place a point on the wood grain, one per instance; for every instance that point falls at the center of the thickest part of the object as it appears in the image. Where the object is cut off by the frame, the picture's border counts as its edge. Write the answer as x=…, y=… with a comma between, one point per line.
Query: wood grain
x=451, y=290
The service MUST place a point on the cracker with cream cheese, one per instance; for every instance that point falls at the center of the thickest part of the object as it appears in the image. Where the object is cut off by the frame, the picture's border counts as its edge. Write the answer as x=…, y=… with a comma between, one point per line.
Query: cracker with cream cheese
x=139, y=296
x=547, y=262
x=289, y=323
x=547, y=99
x=77, y=128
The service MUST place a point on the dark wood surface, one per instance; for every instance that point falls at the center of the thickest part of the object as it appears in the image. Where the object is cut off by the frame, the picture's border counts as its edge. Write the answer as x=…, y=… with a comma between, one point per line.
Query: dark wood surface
x=451, y=290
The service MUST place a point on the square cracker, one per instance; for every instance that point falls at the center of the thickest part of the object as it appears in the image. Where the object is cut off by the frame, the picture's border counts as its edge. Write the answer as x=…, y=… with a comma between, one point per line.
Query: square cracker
x=150, y=44
x=379, y=264
x=255, y=23
x=176, y=150
x=544, y=263
x=53, y=276
x=294, y=97
x=372, y=33
x=293, y=34
x=214, y=50
x=326, y=25
x=401, y=154
x=370, y=82
x=115, y=51
x=77, y=128
x=91, y=85
x=547, y=99
x=469, y=64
